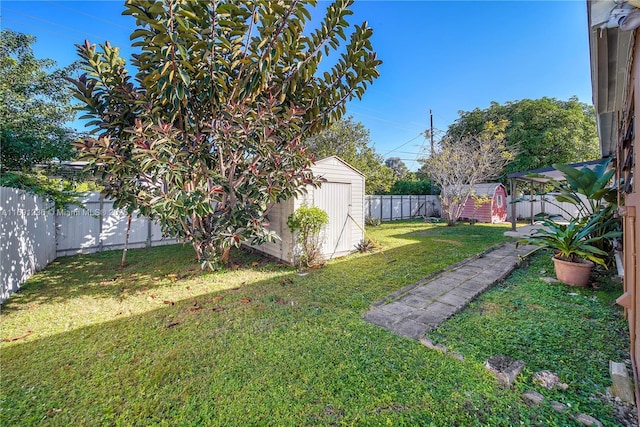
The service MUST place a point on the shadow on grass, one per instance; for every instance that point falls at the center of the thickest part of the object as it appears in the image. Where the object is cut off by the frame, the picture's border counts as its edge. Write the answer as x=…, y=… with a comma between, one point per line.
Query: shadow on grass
x=285, y=352
x=101, y=276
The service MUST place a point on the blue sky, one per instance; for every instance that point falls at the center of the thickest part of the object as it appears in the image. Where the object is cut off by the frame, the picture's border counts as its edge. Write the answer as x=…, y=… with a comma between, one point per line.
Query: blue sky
x=443, y=56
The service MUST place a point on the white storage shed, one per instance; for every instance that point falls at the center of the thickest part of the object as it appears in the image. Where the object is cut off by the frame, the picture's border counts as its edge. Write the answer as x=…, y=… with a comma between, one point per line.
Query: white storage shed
x=341, y=195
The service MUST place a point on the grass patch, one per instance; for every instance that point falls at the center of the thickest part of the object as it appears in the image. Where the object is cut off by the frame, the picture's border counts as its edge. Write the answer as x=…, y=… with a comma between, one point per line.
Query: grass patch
x=162, y=343
x=571, y=331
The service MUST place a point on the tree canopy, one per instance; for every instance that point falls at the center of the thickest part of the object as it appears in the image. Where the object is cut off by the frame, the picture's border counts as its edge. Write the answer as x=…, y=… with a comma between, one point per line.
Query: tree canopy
x=35, y=105
x=351, y=141
x=398, y=166
x=546, y=131
x=208, y=135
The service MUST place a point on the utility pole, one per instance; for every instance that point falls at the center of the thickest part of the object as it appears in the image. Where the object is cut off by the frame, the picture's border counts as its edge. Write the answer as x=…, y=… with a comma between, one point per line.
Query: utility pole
x=431, y=130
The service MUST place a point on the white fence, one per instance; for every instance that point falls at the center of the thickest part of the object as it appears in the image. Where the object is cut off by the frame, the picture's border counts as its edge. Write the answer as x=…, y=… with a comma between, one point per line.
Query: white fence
x=32, y=234
x=27, y=238
x=527, y=207
x=99, y=227
x=390, y=208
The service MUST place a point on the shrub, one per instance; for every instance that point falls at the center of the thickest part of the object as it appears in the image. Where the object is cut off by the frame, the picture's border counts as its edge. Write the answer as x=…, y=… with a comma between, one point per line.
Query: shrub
x=367, y=245
x=308, y=223
x=371, y=221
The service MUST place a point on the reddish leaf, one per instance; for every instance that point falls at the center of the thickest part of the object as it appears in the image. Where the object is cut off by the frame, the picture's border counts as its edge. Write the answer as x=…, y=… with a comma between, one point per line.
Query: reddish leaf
x=218, y=309
x=172, y=324
x=245, y=300
x=53, y=411
x=18, y=337
x=281, y=301
x=168, y=302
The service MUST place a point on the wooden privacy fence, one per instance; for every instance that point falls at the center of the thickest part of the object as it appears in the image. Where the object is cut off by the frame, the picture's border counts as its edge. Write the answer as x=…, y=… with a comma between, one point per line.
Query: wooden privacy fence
x=32, y=234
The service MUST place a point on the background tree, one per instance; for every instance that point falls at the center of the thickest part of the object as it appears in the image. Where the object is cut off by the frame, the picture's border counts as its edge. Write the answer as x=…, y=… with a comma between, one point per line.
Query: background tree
x=35, y=105
x=545, y=131
x=210, y=135
x=456, y=166
x=412, y=187
x=397, y=165
x=350, y=141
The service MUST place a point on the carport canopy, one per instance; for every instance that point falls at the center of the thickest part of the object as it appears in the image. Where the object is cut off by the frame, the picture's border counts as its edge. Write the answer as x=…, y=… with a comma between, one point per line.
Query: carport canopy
x=539, y=177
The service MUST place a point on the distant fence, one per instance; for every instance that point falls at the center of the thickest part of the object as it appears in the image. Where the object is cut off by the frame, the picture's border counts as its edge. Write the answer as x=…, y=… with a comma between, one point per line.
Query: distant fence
x=391, y=208
x=32, y=234
x=527, y=207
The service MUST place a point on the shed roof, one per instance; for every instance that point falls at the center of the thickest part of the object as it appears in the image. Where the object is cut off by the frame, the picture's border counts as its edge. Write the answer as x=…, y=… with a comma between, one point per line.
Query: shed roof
x=341, y=161
x=486, y=188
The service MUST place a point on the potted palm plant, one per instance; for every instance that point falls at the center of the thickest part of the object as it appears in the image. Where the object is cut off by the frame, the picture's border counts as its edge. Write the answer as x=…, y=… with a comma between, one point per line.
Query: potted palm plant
x=576, y=244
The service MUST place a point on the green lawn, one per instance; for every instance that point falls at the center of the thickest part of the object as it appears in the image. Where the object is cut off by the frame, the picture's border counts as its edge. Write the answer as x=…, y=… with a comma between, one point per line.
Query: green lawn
x=162, y=343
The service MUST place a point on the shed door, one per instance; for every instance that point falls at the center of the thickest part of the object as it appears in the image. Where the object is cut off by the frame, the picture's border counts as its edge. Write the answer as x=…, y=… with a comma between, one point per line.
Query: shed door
x=335, y=199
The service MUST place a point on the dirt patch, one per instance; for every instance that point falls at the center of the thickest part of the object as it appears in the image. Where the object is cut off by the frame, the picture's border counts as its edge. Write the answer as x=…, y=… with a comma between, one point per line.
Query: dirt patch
x=449, y=242
x=490, y=308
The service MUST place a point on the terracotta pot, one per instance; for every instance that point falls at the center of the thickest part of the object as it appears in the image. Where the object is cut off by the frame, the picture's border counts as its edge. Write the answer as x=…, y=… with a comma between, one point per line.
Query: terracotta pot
x=573, y=273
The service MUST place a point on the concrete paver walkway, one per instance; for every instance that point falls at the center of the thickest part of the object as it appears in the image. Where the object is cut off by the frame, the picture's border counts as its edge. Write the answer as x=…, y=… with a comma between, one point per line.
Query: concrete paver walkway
x=421, y=307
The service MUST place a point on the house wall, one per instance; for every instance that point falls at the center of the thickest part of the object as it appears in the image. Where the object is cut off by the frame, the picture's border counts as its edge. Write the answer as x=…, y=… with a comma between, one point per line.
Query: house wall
x=628, y=142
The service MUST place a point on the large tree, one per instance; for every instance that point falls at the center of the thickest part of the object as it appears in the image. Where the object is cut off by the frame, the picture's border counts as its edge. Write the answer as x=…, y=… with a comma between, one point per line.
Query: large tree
x=457, y=165
x=209, y=133
x=546, y=130
x=35, y=105
x=398, y=166
x=350, y=141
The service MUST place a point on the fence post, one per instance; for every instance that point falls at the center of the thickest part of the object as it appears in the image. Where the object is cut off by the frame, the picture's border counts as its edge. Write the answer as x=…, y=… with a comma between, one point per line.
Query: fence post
x=101, y=210
x=391, y=207
x=381, y=200
x=401, y=207
x=149, y=230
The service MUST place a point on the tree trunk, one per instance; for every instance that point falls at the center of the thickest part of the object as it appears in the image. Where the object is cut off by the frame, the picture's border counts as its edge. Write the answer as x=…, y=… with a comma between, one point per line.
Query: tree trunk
x=123, y=263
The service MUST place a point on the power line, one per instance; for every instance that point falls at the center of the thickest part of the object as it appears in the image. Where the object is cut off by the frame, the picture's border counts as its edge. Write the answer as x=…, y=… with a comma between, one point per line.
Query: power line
x=39, y=27
x=50, y=22
x=113, y=24
x=394, y=124
x=403, y=144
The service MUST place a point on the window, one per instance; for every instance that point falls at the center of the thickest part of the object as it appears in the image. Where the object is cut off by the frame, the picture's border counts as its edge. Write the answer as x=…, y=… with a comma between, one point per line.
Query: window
x=499, y=200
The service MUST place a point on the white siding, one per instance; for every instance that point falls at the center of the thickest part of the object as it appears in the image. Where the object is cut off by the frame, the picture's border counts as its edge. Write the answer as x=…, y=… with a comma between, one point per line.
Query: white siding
x=283, y=248
x=334, y=170
x=334, y=198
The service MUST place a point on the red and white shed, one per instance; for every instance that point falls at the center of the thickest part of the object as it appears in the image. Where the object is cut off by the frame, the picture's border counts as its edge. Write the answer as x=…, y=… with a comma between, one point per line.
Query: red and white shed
x=486, y=203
